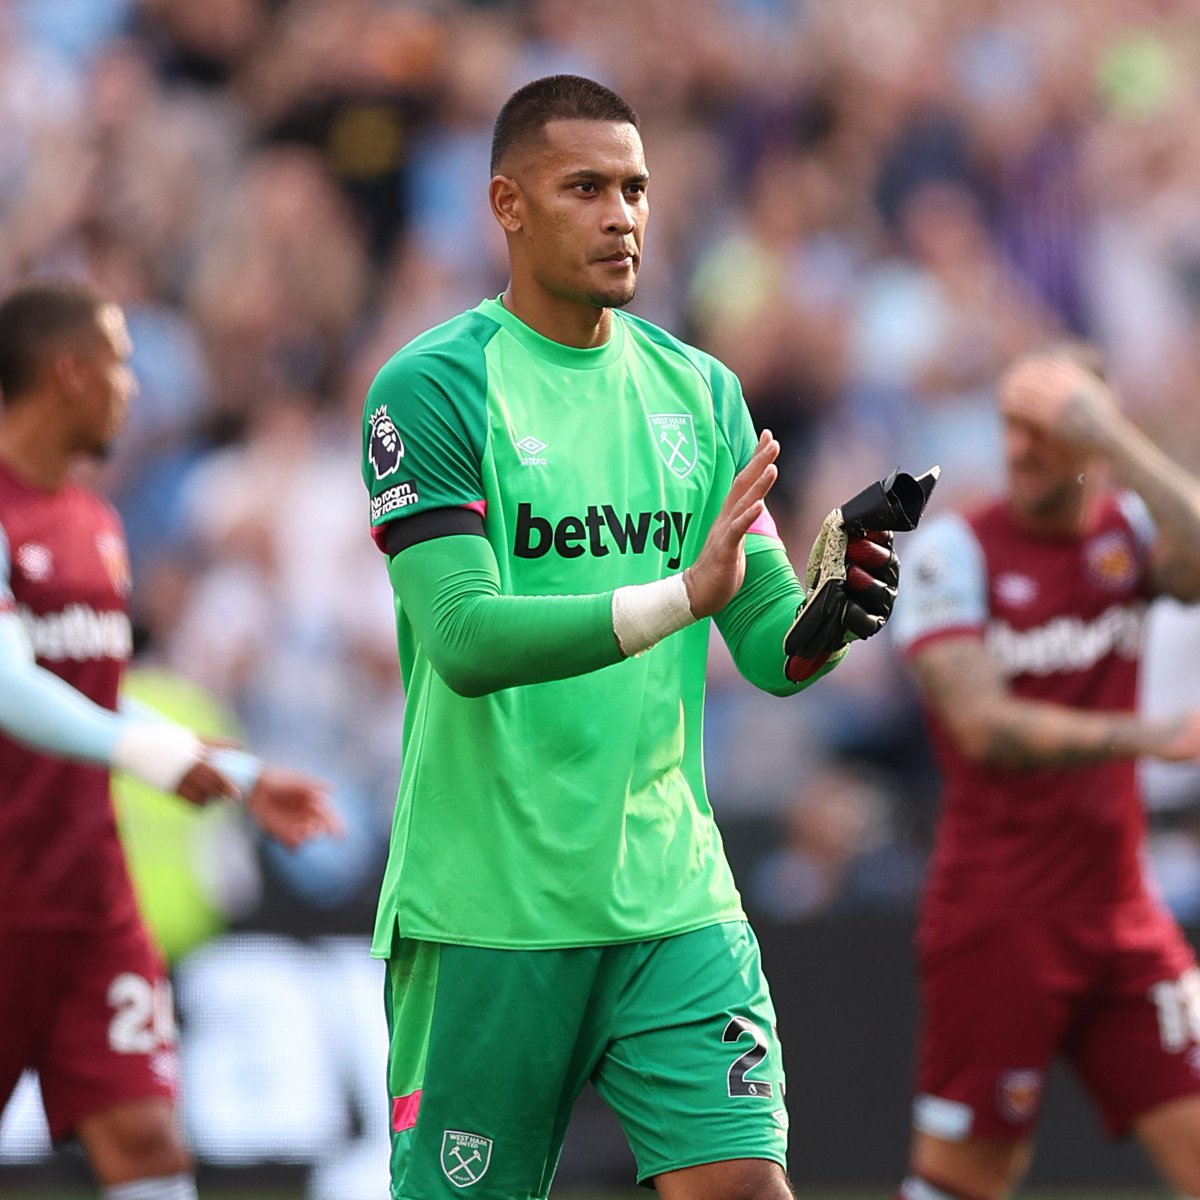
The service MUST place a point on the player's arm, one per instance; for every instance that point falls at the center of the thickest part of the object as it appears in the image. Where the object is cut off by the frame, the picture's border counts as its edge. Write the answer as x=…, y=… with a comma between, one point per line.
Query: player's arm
x=42, y=711
x=849, y=590
x=1063, y=397
x=1173, y=497
x=480, y=640
x=755, y=621
x=940, y=622
x=992, y=726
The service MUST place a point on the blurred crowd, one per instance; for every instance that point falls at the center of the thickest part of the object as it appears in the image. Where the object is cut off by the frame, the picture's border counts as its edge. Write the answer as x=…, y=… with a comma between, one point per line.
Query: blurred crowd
x=864, y=207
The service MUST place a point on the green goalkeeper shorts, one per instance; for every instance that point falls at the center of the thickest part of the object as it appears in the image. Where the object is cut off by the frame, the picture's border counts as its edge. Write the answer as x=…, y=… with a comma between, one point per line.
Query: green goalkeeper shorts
x=490, y=1048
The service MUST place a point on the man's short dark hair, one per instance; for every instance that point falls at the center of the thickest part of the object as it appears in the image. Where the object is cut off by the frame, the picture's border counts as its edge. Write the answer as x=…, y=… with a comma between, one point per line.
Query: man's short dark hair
x=36, y=319
x=554, y=98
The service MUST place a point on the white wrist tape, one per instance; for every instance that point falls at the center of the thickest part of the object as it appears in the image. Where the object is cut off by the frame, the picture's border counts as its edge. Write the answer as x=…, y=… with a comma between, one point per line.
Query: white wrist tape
x=157, y=753
x=644, y=613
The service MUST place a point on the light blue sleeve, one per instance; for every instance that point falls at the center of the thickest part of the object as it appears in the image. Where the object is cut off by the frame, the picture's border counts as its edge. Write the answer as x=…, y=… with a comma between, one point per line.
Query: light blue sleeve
x=241, y=768
x=39, y=709
x=46, y=713
x=6, y=596
x=943, y=582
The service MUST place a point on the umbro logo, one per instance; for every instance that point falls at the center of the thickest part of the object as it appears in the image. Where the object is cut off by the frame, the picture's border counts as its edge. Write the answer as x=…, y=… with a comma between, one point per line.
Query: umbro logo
x=531, y=451
x=35, y=560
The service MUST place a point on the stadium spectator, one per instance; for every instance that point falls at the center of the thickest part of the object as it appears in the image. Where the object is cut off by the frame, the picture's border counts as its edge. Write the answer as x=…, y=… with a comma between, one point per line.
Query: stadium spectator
x=835, y=854
x=1040, y=933
x=84, y=998
x=554, y=848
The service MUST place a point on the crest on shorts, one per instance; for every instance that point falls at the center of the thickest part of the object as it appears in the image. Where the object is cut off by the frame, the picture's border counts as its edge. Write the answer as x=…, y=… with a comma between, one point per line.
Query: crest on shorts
x=465, y=1157
x=675, y=440
x=1018, y=1093
x=386, y=448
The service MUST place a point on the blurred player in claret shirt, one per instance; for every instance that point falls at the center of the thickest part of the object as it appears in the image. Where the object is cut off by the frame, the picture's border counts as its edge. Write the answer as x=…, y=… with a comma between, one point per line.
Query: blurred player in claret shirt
x=1040, y=933
x=84, y=998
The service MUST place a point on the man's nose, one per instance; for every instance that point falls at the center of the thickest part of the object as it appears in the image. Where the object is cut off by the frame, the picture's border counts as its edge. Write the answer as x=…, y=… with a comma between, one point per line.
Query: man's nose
x=619, y=218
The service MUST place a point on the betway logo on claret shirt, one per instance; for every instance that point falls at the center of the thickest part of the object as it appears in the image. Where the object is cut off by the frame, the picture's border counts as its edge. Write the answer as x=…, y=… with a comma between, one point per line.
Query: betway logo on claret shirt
x=78, y=633
x=601, y=530
x=1067, y=643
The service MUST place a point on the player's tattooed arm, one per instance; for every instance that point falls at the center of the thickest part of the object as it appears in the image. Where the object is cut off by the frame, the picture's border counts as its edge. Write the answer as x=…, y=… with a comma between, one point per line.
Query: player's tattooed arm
x=1173, y=497
x=992, y=726
x=1066, y=400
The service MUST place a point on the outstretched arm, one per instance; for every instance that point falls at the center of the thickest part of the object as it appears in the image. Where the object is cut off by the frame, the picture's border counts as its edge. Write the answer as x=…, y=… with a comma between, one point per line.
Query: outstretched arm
x=46, y=713
x=40, y=710
x=754, y=622
x=992, y=726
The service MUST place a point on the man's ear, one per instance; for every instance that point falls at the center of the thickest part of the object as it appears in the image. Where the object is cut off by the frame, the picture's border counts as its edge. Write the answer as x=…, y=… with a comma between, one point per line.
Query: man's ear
x=66, y=369
x=504, y=193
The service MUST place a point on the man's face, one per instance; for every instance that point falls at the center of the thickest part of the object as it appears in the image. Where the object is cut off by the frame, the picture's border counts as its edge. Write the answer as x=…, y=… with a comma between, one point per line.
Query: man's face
x=1043, y=472
x=107, y=384
x=582, y=207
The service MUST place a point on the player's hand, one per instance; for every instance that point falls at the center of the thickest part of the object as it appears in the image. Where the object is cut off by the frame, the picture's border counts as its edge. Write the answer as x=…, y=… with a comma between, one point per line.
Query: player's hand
x=203, y=783
x=853, y=572
x=1061, y=398
x=714, y=578
x=1180, y=740
x=292, y=808
x=872, y=576
x=851, y=591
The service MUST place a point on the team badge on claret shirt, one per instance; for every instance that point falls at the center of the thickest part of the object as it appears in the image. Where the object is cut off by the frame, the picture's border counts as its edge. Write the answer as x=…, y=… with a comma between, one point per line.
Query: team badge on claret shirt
x=387, y=447
x=1111, y=562
x=116, y=561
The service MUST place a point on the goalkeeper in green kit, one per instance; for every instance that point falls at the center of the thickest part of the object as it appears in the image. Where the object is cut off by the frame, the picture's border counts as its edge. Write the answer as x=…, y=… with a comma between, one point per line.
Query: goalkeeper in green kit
x=564, y=493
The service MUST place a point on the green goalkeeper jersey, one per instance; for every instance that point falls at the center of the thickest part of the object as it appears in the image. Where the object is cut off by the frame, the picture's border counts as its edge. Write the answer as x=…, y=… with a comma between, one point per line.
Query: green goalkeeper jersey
x=570, y=812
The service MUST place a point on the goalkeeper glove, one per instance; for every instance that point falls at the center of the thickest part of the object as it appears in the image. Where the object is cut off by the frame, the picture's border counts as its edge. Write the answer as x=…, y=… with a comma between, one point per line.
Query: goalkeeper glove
x=853, y=571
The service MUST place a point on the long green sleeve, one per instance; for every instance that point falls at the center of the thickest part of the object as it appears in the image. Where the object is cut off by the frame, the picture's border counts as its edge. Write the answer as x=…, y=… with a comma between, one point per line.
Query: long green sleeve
x=755, y=621
x=480, y=641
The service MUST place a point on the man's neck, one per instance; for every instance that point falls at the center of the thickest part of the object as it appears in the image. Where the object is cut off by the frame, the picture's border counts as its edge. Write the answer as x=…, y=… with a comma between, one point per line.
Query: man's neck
x=567, y=322
x=33, y=456
x=1063, y=521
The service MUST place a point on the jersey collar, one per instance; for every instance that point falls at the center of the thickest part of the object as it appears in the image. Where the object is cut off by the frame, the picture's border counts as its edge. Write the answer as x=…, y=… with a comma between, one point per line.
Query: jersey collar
x=574, y=357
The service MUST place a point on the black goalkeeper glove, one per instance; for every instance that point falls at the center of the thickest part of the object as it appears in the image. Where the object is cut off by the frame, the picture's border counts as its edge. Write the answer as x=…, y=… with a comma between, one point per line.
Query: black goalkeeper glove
x=853, y=571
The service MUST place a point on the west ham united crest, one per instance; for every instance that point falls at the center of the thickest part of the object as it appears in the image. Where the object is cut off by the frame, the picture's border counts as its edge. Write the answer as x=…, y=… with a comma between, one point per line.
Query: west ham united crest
x=387, y=448
x=465, y=1157
x=675, y=439
x=1018, y=1093
x=116, y=561
x=1111, y=561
